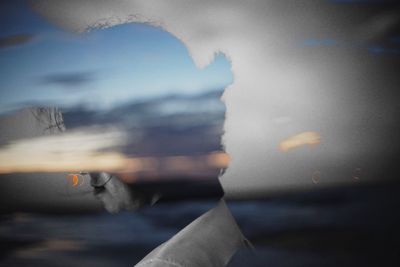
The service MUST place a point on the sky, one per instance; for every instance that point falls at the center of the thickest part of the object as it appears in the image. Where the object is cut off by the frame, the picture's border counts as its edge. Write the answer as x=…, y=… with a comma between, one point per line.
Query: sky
x=313, y=103
x=42, y=64
x=315, y=87
x=155, y=98
x=320, y=73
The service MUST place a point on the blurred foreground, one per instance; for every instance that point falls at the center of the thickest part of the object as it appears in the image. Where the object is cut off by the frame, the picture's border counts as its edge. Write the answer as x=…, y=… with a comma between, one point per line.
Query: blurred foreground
x=347, y=226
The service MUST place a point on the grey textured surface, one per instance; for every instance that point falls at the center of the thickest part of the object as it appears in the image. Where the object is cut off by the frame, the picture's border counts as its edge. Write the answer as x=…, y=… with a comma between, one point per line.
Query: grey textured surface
x=210, y=240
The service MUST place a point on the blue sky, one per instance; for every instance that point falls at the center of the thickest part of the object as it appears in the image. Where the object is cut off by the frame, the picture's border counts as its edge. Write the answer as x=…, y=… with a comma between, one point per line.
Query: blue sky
x=100, y=69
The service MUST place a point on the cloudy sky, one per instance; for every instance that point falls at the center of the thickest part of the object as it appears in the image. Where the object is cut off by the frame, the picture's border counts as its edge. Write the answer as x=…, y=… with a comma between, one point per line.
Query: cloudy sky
x=43, y=64
x=311, y=86
x=319, y=75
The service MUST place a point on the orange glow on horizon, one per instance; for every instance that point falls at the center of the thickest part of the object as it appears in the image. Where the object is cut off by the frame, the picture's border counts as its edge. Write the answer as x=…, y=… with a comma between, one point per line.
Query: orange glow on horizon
x=95, y=149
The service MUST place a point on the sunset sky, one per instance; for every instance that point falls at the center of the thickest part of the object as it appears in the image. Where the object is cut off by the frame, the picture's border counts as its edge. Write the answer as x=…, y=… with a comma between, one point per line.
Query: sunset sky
x=43, y=64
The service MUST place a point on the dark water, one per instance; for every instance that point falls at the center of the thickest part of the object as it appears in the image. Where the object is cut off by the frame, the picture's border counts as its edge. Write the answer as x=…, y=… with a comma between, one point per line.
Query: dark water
x=353, y=226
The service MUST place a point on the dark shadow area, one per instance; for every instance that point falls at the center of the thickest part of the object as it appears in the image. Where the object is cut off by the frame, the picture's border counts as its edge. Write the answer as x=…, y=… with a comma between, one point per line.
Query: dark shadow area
x=346, y=226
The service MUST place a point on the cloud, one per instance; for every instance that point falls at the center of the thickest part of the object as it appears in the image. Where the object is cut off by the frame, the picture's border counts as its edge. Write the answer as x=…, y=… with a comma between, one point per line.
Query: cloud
x=15, y=40
x=352, y=101
x=69, y=80
x=83, y=149
x=97, y=149
x=320, y=42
